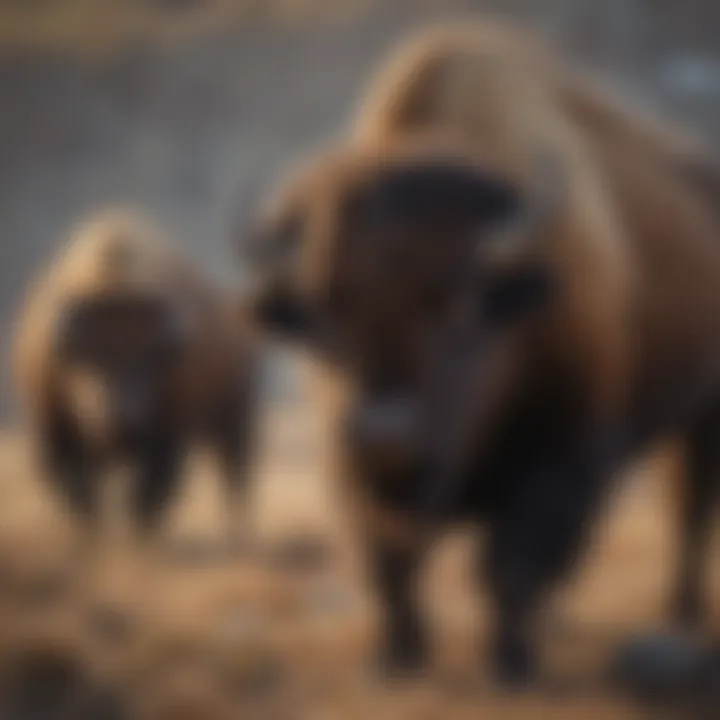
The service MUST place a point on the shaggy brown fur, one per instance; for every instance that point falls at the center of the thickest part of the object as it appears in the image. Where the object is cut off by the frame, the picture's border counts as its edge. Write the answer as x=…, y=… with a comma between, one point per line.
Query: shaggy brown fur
x=203, y=393
x=627, y=350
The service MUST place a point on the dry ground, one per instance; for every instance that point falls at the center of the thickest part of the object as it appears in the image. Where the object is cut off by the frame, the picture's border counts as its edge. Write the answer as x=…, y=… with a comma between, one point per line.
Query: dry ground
x=319, y=618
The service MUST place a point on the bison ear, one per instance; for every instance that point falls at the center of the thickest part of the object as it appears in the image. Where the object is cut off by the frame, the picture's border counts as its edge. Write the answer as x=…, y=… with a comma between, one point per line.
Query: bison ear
x=268, y=254
x=440, y=191
x=514, y=293
x=282, y=312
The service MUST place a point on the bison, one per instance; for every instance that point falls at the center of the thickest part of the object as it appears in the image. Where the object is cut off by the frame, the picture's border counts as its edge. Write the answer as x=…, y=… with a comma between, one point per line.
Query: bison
x=126, y=354
x=509, y=278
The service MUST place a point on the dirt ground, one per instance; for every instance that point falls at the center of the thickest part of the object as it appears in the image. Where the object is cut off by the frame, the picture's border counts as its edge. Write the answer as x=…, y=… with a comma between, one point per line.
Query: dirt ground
x=311, y=613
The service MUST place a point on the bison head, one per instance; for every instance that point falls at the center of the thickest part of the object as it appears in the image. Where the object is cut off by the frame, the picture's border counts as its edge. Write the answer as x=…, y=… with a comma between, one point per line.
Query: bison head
x=130, y=343
x=416, y=278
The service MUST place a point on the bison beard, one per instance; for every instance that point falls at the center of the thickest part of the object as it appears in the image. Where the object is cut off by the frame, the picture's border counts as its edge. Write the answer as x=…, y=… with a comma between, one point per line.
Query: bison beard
x=452, y=398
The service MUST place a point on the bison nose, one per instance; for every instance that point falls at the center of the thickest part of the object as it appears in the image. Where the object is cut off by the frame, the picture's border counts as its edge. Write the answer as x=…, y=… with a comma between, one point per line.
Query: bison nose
x=385, y=431
x=131, y=406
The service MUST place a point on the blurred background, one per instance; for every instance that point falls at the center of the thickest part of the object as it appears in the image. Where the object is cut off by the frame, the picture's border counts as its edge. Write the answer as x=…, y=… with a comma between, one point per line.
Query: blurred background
x=191, y=108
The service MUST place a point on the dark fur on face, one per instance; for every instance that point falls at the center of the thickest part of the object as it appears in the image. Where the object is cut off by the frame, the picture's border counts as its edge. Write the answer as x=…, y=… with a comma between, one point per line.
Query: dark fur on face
x=97, y=331
x=435, y=191
x=409, y=295
x=132, y=342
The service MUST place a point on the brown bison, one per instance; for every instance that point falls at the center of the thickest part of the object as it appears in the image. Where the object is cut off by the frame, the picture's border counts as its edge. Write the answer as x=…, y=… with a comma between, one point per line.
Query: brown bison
x=125, y=353
x=511, y=281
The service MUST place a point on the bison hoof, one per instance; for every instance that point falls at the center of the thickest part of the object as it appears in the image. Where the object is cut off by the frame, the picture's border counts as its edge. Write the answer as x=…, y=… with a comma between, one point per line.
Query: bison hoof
x=687, y=610
x=514, y=665
x=401, y=661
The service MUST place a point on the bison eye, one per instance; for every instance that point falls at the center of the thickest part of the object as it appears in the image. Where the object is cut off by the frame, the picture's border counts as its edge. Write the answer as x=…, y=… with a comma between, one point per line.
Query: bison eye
x=513, y=294
x=338, y=300
x=282, y=312
x=437, y=296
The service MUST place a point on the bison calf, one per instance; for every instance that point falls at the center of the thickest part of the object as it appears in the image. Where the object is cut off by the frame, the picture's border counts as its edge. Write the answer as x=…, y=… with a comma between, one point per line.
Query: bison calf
x=125, y=353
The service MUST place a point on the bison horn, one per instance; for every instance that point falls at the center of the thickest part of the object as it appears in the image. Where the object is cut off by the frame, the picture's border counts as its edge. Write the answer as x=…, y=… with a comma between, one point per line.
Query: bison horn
x=545, y=200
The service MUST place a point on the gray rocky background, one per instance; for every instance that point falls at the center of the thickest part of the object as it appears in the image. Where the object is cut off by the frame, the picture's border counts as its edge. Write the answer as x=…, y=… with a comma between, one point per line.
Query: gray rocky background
x=198, y=129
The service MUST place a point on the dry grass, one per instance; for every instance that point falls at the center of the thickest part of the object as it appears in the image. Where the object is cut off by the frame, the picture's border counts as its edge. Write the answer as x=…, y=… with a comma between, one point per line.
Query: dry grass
x=186, y=627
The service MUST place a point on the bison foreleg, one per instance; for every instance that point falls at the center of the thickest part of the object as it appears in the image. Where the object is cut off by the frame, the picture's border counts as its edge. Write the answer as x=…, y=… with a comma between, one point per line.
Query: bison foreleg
x=71, y=468
x=395, y=574
x=157, y=480
x=700, y=491
x=532, y=545
x=235, y=445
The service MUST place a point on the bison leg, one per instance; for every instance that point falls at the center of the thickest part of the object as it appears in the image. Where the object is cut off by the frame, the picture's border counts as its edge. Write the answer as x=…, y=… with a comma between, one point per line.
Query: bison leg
x=72, y=469
x=531, y=547
x=158, y=477
x=234, y=450
x=700, y=490
x=394, y=573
